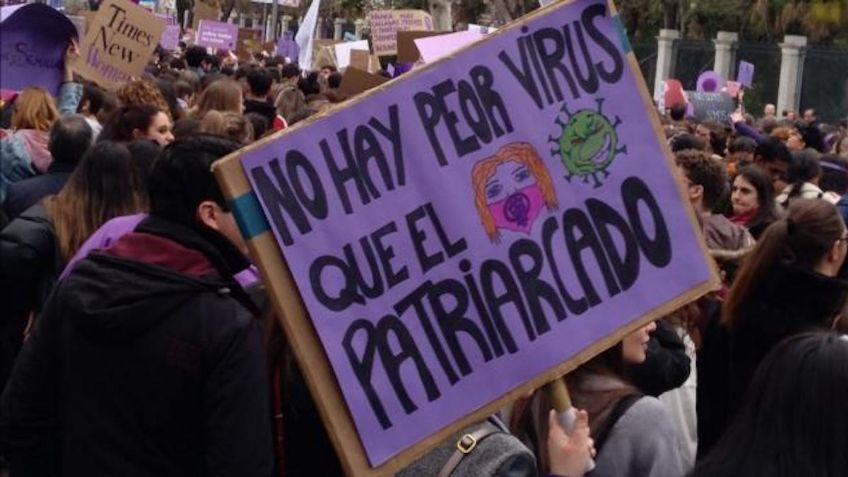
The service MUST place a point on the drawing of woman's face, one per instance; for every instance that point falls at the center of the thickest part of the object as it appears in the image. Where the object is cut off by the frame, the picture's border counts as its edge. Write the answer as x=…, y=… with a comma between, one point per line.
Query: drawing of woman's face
x=509, y=177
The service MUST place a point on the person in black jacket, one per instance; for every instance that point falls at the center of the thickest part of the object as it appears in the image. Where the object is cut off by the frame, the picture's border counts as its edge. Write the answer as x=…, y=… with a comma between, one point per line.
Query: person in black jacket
x=70, y=137
x=147, y=359
x=35, y=246
x=788, y=285
x=259, y=82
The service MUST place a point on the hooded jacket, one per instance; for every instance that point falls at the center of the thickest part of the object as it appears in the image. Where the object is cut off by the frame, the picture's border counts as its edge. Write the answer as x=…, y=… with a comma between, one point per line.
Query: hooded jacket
x=147, y=361
x=790, y=301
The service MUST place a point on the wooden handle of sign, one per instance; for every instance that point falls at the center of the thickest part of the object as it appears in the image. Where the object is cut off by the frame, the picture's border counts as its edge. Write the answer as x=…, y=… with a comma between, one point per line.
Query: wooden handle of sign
x=558, y=393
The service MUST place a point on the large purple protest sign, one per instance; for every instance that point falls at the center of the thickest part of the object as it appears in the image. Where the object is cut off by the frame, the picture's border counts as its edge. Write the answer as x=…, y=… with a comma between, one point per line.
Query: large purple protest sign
x=287, y=47
x=32, y=46
x=170, y=37
x=469, y=228
x=217, y=35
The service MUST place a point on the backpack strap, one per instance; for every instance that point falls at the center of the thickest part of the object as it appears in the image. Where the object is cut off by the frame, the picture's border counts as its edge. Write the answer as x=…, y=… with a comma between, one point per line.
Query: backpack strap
x=620, y=408
x=464, y=446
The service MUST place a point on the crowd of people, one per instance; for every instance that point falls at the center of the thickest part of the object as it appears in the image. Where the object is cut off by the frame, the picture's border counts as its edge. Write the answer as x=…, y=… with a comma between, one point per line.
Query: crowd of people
x=136, y=337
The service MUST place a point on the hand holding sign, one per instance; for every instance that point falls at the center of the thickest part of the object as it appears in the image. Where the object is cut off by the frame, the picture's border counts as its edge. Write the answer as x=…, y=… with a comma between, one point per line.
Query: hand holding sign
x=570, y=452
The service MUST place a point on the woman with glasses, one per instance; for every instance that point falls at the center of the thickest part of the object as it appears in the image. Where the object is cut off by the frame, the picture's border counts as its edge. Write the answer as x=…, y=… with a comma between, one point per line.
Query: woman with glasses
x=787, y=285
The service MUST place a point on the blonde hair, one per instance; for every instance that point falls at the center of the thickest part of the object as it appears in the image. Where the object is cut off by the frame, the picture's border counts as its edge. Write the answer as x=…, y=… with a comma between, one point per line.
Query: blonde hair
x=522, y=153
x=222, y=95
x=229, y=125
x=35, y=109
x=143, y=92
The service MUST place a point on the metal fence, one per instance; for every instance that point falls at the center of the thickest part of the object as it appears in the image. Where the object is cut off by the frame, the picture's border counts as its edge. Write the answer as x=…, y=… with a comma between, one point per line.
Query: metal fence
x=766, y=60
x=825, y=82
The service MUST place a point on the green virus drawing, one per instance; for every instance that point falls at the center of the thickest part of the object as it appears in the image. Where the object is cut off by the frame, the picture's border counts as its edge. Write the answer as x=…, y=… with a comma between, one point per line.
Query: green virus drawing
x=588, y=143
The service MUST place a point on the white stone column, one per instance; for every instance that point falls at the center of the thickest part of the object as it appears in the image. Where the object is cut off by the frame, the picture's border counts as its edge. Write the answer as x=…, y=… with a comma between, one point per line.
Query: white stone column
x=338, y=28
x=242, y=20
x=725, y=51
x=270, y=30
x=665, y=56
x=286, y=23
x=359, y=26
x=791, y=69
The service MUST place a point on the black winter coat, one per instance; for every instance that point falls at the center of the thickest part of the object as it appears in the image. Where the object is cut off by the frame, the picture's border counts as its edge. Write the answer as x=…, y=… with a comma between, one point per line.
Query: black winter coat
x=24, y=194
x=29, y=264
x=146, y=361
x=791, y=301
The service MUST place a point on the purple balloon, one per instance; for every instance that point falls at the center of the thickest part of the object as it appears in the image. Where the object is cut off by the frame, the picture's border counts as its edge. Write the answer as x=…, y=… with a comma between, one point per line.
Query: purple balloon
x=710, y=82
x=32, y=47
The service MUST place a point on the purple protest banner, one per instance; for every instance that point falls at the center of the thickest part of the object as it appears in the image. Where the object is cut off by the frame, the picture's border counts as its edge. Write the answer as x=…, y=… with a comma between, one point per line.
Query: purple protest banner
x=287, y=47
x=469, y=231
x=170, y=37
x=32, y=46
x=169, y=19
x=217, y=35
x=745, y=75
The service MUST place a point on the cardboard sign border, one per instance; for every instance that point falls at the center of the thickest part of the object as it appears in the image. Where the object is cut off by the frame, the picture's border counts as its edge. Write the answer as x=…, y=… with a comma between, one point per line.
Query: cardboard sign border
x=307, y=347
x=90, y=73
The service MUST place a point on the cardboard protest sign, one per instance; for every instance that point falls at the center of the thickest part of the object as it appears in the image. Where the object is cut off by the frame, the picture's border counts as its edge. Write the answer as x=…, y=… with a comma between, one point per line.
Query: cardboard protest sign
x=217, y=35
x=325, y=56
x=249, y=42
x=714, y=106
x=203, y=11
x=32, y=46
x=119, y=43
x=745, y=75
x=356, y=81
x=361, y=59
x=407, y=52
x=468, y=232
x=343, y=50
x=386, y=23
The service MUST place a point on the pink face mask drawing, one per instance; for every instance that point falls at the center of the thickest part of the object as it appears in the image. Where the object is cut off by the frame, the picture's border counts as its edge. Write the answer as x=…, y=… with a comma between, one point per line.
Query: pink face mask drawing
x=511, y=189
x=519, y=210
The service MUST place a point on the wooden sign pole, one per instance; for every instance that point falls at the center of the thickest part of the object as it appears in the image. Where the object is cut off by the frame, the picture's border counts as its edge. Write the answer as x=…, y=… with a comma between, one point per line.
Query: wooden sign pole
x=558, y=392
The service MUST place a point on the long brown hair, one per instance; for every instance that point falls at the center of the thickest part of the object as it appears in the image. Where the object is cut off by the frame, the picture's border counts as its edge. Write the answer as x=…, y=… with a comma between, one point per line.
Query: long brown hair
x=801, y=240
x=104, y=185
x=222, y=95
x=529, y=419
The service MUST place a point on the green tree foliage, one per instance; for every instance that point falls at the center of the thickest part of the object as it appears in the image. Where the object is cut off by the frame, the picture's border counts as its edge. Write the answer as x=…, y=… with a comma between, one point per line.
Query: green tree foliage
x=823, y=21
